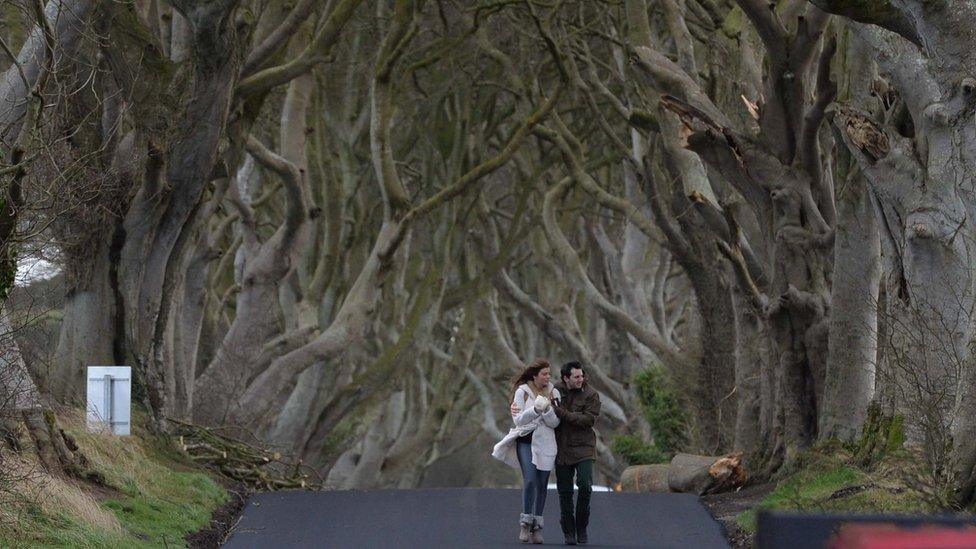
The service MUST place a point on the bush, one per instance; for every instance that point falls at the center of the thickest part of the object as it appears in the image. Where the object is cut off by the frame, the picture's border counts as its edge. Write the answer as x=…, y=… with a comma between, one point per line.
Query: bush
x=635, y=451
x=661, y=407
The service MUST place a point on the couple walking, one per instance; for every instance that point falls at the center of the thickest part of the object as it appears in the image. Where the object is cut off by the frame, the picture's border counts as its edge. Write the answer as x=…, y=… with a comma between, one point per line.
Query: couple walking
x=553, y=427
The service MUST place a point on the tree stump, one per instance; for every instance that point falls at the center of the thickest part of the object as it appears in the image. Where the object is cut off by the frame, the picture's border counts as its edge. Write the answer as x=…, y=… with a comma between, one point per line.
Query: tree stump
x=645, y=478
x=701, y=475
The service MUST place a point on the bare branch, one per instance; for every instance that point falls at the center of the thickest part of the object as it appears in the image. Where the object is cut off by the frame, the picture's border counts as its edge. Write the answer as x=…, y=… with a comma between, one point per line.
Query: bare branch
x=613, y=314
x=316, y=52
x=874, y=12
x=278, y=37
x=767, y=24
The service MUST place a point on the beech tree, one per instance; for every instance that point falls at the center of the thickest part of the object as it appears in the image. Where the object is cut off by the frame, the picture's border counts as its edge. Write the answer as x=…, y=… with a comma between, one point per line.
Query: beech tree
x=917, y=168
x=343, y=226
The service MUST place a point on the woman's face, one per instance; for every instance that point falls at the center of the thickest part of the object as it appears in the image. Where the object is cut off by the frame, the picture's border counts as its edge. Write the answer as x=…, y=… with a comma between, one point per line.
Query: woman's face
x=542, y=378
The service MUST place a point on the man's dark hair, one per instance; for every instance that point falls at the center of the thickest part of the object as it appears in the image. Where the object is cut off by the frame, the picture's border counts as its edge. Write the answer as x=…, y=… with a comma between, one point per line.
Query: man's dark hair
x=567, y=369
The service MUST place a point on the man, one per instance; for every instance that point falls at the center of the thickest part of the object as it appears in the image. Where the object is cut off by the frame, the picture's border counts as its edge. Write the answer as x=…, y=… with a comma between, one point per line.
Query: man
x=578, y=410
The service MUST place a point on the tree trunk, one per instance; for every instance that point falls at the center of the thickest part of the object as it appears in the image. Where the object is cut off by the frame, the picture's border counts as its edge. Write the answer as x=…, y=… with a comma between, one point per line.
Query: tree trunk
x=88, y=329
x=923, y=184
x=716, y=375
x=701, y=475
x=270, y=389
x=750, y=360
x=853, y=342
x=645, y=478
x=158, y=222
x=182, y=339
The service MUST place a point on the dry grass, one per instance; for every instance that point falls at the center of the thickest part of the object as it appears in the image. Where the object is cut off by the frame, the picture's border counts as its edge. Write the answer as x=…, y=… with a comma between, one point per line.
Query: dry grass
x=152, y=497
x=37, y=488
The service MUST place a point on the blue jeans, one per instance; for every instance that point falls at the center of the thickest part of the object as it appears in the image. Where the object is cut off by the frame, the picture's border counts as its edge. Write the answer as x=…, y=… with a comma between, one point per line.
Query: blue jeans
x=534, y=481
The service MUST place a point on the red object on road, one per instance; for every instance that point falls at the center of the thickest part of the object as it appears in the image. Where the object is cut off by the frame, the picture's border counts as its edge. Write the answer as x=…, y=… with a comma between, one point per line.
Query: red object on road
x=888, y=536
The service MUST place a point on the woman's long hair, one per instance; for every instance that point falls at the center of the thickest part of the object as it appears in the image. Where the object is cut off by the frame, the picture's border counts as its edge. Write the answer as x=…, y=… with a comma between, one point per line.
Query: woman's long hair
x=528, y=374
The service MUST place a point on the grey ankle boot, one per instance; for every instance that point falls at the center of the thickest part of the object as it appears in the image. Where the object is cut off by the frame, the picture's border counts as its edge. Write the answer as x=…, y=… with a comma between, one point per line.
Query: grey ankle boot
x=535, y=536
x=526, y=522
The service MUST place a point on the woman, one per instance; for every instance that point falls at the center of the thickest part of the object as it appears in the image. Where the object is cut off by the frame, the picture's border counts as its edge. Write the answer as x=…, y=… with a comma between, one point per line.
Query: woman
x=531, y=445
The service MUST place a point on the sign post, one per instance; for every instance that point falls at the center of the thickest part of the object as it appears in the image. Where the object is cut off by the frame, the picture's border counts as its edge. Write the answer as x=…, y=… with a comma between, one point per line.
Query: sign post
x=109, y=399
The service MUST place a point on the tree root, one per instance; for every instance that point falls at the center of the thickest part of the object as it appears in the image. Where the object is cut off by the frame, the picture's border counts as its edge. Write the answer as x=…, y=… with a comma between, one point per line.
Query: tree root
x=36, y=430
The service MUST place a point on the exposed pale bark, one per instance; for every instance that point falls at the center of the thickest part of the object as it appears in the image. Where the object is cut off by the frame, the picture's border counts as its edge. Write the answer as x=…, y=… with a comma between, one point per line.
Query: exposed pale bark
x=705, y=474
x=853, y=341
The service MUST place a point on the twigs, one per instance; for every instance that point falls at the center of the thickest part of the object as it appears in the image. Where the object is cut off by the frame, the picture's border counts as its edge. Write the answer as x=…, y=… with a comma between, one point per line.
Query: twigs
x=259, y=468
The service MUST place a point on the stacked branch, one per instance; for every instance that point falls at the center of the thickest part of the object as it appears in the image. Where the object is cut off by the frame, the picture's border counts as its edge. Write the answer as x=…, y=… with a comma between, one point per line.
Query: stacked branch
x=259, y=468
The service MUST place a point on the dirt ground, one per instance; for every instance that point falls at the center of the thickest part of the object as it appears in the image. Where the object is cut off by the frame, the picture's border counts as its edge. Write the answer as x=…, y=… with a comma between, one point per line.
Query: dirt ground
x=725, y=507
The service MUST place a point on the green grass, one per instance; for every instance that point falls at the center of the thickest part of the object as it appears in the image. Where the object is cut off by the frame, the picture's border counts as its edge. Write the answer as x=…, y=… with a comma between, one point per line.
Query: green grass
x=163, y=511
x=157, y=500
x=828, y=482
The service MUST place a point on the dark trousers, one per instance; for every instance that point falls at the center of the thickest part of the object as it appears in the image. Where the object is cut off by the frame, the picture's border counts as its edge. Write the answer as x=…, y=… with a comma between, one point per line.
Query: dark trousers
x=583, y=471
x=534, y=481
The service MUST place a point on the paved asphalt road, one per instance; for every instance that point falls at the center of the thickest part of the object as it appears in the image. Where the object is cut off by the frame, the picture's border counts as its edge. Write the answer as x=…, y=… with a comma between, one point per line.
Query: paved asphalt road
x=463, y=518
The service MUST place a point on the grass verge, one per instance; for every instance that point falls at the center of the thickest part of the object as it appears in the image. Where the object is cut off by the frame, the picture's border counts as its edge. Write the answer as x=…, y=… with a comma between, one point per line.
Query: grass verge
x=151, y=496
x=827, y=480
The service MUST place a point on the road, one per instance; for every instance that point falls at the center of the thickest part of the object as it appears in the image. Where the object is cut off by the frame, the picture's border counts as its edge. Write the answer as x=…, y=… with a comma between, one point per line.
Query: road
x=463, y=518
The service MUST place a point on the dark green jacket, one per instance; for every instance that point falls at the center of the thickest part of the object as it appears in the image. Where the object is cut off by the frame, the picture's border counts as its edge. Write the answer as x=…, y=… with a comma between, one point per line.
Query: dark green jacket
x=577, y=412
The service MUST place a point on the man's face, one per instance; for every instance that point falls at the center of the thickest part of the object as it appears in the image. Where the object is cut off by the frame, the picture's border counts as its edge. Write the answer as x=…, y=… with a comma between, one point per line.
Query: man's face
x=575, y=379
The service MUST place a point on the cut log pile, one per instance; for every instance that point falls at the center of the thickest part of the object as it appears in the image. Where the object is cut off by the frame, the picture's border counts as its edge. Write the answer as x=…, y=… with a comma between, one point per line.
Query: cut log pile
x=645, y=478
x=687, y=473
x=259, y=468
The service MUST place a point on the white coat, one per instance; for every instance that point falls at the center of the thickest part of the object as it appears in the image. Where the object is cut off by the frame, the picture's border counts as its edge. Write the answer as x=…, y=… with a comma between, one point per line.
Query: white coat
x=527, y=420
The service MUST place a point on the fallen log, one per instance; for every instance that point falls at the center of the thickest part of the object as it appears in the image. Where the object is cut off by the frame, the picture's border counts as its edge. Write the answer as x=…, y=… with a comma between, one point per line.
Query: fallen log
x=645, y=478
x=701, y=475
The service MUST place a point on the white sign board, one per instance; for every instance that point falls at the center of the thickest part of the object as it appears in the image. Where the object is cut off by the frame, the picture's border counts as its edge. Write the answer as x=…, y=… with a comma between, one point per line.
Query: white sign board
x=109, y=399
